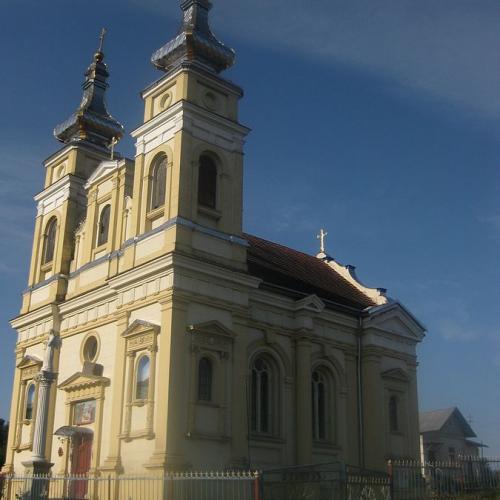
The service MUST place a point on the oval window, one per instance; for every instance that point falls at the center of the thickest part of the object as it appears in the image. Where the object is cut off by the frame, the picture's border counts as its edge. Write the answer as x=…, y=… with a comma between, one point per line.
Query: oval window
x=90, y=349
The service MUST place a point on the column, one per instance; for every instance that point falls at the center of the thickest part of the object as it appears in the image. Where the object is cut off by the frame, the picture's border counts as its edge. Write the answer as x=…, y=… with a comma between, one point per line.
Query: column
x=303, y=401
x=239, y=403
x=40, y=435
x=15, y=417
x=113, y=460
x=39, y=464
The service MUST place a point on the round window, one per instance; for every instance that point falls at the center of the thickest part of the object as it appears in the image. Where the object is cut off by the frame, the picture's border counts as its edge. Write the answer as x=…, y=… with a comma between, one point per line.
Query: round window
x=90, y=349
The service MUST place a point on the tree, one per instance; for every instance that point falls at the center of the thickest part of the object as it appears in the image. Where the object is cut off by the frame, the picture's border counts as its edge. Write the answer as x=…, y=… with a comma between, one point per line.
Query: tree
x=4, y=432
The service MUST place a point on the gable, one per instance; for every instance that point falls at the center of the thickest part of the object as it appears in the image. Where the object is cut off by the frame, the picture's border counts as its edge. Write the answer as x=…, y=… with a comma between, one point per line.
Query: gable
x=310, y=303
x=102, y=171
x=446, y=421
x=396, y=319
x=140, y=326
x=211, y=328
x=396, y=374
x=79, y=380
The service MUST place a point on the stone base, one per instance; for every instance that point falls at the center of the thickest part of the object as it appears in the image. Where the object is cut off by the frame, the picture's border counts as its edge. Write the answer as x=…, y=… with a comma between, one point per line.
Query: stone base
x=37, y=467
x=239, y=463
x=38, y=485
x=112, y=466
x=165, y=462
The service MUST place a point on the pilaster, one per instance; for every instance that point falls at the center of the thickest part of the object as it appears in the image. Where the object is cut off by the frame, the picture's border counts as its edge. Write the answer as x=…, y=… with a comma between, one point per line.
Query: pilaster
x=112, y=463
x=303, y=400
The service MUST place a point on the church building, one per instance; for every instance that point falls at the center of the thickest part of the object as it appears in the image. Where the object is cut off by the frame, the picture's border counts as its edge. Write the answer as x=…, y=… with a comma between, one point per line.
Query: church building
x=156, y=335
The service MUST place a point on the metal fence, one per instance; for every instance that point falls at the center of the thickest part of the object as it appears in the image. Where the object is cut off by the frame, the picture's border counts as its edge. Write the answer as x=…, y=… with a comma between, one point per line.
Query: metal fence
x=174, y=486
x=473, y=476
x=333, y=481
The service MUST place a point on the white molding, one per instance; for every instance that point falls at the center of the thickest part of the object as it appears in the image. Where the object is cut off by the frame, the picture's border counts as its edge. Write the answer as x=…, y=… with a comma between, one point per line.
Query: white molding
x=188, y=117
x=104, y=169
x=349, y=274
x=55, y=195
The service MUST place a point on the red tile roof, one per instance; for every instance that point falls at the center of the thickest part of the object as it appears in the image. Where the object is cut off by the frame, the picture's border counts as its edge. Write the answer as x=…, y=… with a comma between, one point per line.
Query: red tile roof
x=285, y=267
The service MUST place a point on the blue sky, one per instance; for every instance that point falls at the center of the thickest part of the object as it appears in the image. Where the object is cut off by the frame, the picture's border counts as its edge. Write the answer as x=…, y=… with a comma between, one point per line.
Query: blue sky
x=379, y=121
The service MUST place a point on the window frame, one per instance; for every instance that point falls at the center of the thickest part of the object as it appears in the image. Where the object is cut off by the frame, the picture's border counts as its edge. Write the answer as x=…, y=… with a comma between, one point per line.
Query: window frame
x=140, y=359
x=210, y=384
x=105, y=209
x=30, y=385
x=330, y=422
x=394, y=414
x=274, y=394
x=52, y=224
x=213, y=192
x=160, y=160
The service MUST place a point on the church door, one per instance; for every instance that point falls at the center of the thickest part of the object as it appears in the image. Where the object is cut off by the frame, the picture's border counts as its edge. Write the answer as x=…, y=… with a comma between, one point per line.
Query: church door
x=80, y=464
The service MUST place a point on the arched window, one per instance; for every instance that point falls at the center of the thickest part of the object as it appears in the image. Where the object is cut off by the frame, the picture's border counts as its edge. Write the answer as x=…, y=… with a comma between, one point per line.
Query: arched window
x=30, y=402
x=103, y=229
x=207, y=182
x=319, y=405
x=205, y=380
x=393, y=414
x=158, y=182
x=261, y=396
x=50, y=241
x=142, y=378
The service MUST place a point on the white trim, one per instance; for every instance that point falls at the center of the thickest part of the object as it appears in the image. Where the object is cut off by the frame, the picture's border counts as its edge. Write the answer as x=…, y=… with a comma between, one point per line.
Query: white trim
x=349, y=274
x=55, y=195
x=188, y=117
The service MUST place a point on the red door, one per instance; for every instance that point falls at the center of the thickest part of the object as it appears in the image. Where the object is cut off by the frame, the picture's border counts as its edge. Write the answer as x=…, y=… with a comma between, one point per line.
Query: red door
x=80, y=464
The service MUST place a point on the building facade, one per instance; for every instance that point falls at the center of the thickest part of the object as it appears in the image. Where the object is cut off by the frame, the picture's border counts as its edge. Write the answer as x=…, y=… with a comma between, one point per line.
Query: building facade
x=156, y=335
x=446, y=435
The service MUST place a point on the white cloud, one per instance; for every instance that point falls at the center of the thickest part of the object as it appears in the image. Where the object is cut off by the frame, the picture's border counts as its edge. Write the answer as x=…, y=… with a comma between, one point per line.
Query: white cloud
x=446, y=49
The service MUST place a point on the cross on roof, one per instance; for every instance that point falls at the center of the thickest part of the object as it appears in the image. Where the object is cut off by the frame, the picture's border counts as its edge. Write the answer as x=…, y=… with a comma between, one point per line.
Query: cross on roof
x=101, y=39
x=114, y=142
x=322, y=237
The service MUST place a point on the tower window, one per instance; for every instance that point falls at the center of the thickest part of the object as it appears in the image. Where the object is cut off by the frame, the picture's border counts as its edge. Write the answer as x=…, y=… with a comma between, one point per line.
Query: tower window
x=207, y=182
x=205, y=372
x=319, y=405
x=103, y=229
x=142, y=378
x=159, y=182
x=50, y=241
x=393, y=414
x=30, y=402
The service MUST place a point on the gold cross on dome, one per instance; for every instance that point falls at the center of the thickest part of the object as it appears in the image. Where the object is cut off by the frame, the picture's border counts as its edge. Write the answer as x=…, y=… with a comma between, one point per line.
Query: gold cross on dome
x=114, y=142
x=322, y=237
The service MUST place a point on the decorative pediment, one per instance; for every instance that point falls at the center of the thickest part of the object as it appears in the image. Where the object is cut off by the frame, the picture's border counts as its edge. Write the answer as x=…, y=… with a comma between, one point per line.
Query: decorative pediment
x=79, y=381
x=212, y=336
x=29, y=361
x=140, y=326
x=212, y=328
x=396, y=374
x=310, y=303
x=395, y=319
x=102, y=171
x=30, y=367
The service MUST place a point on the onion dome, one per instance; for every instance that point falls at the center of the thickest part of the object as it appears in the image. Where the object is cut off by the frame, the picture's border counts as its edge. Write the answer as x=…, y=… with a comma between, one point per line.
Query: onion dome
x=195, y=43
x=91, y=122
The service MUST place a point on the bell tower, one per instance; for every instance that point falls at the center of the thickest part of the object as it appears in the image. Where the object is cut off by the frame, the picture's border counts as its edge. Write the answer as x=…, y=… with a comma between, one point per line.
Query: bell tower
x=191, y=143
x=87, y=135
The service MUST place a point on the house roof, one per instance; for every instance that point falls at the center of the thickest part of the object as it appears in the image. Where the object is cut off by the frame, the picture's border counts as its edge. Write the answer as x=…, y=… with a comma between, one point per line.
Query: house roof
x=283, y=266
x=433, y=421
